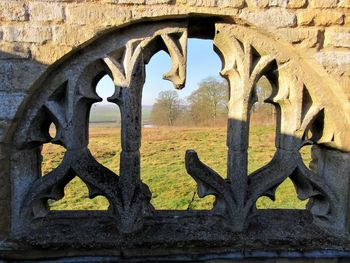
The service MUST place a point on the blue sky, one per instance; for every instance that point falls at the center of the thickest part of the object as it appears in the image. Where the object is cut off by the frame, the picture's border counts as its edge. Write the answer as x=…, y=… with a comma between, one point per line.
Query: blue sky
x=202, y=62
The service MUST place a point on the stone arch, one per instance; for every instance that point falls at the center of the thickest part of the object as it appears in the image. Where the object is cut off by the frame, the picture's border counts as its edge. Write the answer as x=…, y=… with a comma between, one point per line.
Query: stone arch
x=64, y=94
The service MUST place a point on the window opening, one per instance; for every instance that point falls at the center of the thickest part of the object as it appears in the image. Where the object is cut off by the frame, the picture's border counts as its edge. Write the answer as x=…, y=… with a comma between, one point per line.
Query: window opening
x=177, y=123
x=76, y=197
x=104, y=127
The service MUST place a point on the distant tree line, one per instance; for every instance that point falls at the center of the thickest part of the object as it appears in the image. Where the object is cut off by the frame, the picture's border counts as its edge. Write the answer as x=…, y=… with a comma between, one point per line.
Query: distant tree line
x=205, y=106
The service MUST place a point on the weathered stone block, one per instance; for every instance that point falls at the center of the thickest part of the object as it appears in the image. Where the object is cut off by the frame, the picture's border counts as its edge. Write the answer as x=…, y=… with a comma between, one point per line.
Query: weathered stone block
x=131, y=2
x=201, y=2
x=296, y=3
x=281, y=3
x=272, y=18
x=14, y=50
x=230, y=3
x=344, y=3
x=13, y=11
x=49, y=53
x=72, y=35
x=156, y=2
x=107, y=15
x=10, y=104
x=19, y=75
x=275, y=3
x=258, y=3
x=323, y=3
x=43, y=11
x=337, y=37
x=336, y=62
x=304, y=37
x=320, y=17
x=27, y=33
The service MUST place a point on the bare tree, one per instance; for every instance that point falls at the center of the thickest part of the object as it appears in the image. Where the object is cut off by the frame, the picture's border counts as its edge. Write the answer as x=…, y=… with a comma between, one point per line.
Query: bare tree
x=209, y=101
x=166, y=108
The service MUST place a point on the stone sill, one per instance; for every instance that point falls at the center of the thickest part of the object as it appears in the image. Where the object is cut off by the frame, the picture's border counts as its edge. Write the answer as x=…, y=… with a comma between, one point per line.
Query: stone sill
x=176, y=236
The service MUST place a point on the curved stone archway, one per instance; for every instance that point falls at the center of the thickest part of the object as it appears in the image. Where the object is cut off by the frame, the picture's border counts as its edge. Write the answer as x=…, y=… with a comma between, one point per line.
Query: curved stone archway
x=309, y=112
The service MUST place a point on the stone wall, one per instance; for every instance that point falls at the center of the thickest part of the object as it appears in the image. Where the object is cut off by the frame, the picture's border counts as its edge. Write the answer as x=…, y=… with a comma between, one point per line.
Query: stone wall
x=35, y=34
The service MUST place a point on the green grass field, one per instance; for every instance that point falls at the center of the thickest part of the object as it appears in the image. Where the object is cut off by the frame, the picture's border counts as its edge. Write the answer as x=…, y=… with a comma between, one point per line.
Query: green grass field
x=163, y=168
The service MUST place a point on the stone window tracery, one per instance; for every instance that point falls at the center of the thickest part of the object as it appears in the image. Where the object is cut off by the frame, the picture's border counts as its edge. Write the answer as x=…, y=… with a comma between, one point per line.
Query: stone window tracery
x=65, y=96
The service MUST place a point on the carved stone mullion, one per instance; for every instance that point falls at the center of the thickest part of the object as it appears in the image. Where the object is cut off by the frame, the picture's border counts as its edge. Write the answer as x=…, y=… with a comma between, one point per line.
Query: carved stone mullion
x=134, y=194
x=237, y=142
x=69, y=105
x=130, y=182
x=128, y=69
x=237, y=69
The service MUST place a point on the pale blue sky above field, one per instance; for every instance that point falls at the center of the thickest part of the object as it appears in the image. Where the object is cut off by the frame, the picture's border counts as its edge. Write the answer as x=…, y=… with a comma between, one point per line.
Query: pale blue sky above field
x=202, y=62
